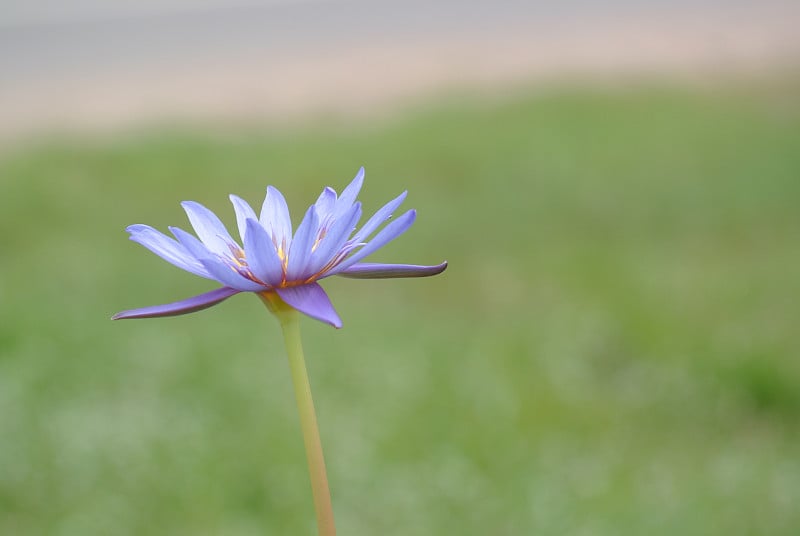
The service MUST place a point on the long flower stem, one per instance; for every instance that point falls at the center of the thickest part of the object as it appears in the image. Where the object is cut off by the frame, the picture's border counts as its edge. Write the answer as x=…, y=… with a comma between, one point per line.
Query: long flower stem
x=290, y=324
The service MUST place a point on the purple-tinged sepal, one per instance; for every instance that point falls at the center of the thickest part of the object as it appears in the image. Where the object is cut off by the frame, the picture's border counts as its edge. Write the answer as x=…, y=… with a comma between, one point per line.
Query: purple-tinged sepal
x=365, y=270
x=311, y=300
x=189, y=305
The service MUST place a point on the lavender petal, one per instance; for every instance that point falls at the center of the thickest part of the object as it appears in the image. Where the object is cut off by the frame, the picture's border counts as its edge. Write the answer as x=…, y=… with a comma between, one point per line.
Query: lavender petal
x=378, y=218
x=386, y=235
x=166, y=248
x=349, y=194
x=275, y=217
x=336, y=237
x=325, y=203
x=303, y=241
x=219, y=269
x=229, y=277
x=311, y=300
x=192, y=244
x=385, y=271
x=182, y=307
x=208, y=227
x=243, y=212
x=261, y=256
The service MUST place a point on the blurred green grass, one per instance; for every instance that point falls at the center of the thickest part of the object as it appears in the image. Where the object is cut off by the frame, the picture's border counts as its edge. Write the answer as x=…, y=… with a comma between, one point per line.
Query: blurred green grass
x=613, y=350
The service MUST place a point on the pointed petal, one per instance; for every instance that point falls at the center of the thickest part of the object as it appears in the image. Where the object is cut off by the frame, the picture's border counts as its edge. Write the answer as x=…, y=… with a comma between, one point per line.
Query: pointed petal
x=311, y=300
x=385, y=271
x=192, y=244
x=325, y=203
x=218, y=269
x=304, y=238
x=208, y=227
x=386, y=235
x=166, y=248
x=349, y=194
x=379, y=217
x=243, y=212
x=275, y=217
x=182, y=307
x=259, y=251
x=335, y=239
x=229, y=277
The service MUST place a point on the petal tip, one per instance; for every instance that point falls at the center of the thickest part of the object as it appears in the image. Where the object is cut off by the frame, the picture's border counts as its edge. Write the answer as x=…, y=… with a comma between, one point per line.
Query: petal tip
x=125, y=315
x=175, y=230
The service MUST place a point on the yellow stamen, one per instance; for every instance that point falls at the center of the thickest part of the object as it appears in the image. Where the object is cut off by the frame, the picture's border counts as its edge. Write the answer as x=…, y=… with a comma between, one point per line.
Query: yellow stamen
x=322, y=234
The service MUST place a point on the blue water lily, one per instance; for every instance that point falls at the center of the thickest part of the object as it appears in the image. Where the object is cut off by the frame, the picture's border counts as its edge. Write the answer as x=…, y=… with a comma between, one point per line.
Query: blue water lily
x=272, y=261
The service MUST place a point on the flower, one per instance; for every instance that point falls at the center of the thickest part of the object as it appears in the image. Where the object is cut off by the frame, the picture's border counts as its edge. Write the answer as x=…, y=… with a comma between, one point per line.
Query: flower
x=271, y=261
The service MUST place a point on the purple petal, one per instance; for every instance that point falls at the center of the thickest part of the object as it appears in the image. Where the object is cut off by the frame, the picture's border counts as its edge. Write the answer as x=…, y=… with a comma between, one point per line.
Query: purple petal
x=349, y=194
x=166, y=248
x=261, y=256
x=230, y=277
x=220, y=270
x=192, y=244
x=243, y=213
x=208, y=227
x=275, y=217
x=182, y=307
x=334, y=240
x=311, y=300
x=386, y=235
x=304, y=238
x=325, y=203
x=378, y=218
x=385, y=271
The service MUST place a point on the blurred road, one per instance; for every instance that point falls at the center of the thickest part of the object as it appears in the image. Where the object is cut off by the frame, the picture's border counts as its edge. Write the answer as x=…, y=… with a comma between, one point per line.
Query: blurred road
x=93, y=64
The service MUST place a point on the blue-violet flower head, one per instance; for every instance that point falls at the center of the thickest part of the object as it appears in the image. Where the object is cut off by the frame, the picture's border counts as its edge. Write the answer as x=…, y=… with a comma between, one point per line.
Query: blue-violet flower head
x=273, y=262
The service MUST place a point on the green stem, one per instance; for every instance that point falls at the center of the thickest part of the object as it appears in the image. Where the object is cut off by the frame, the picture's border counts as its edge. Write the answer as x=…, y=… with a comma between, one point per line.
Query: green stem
x=290, y=324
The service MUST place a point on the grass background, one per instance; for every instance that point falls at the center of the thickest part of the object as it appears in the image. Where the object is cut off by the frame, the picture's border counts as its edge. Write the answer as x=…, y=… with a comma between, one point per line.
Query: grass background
x=613, y=350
